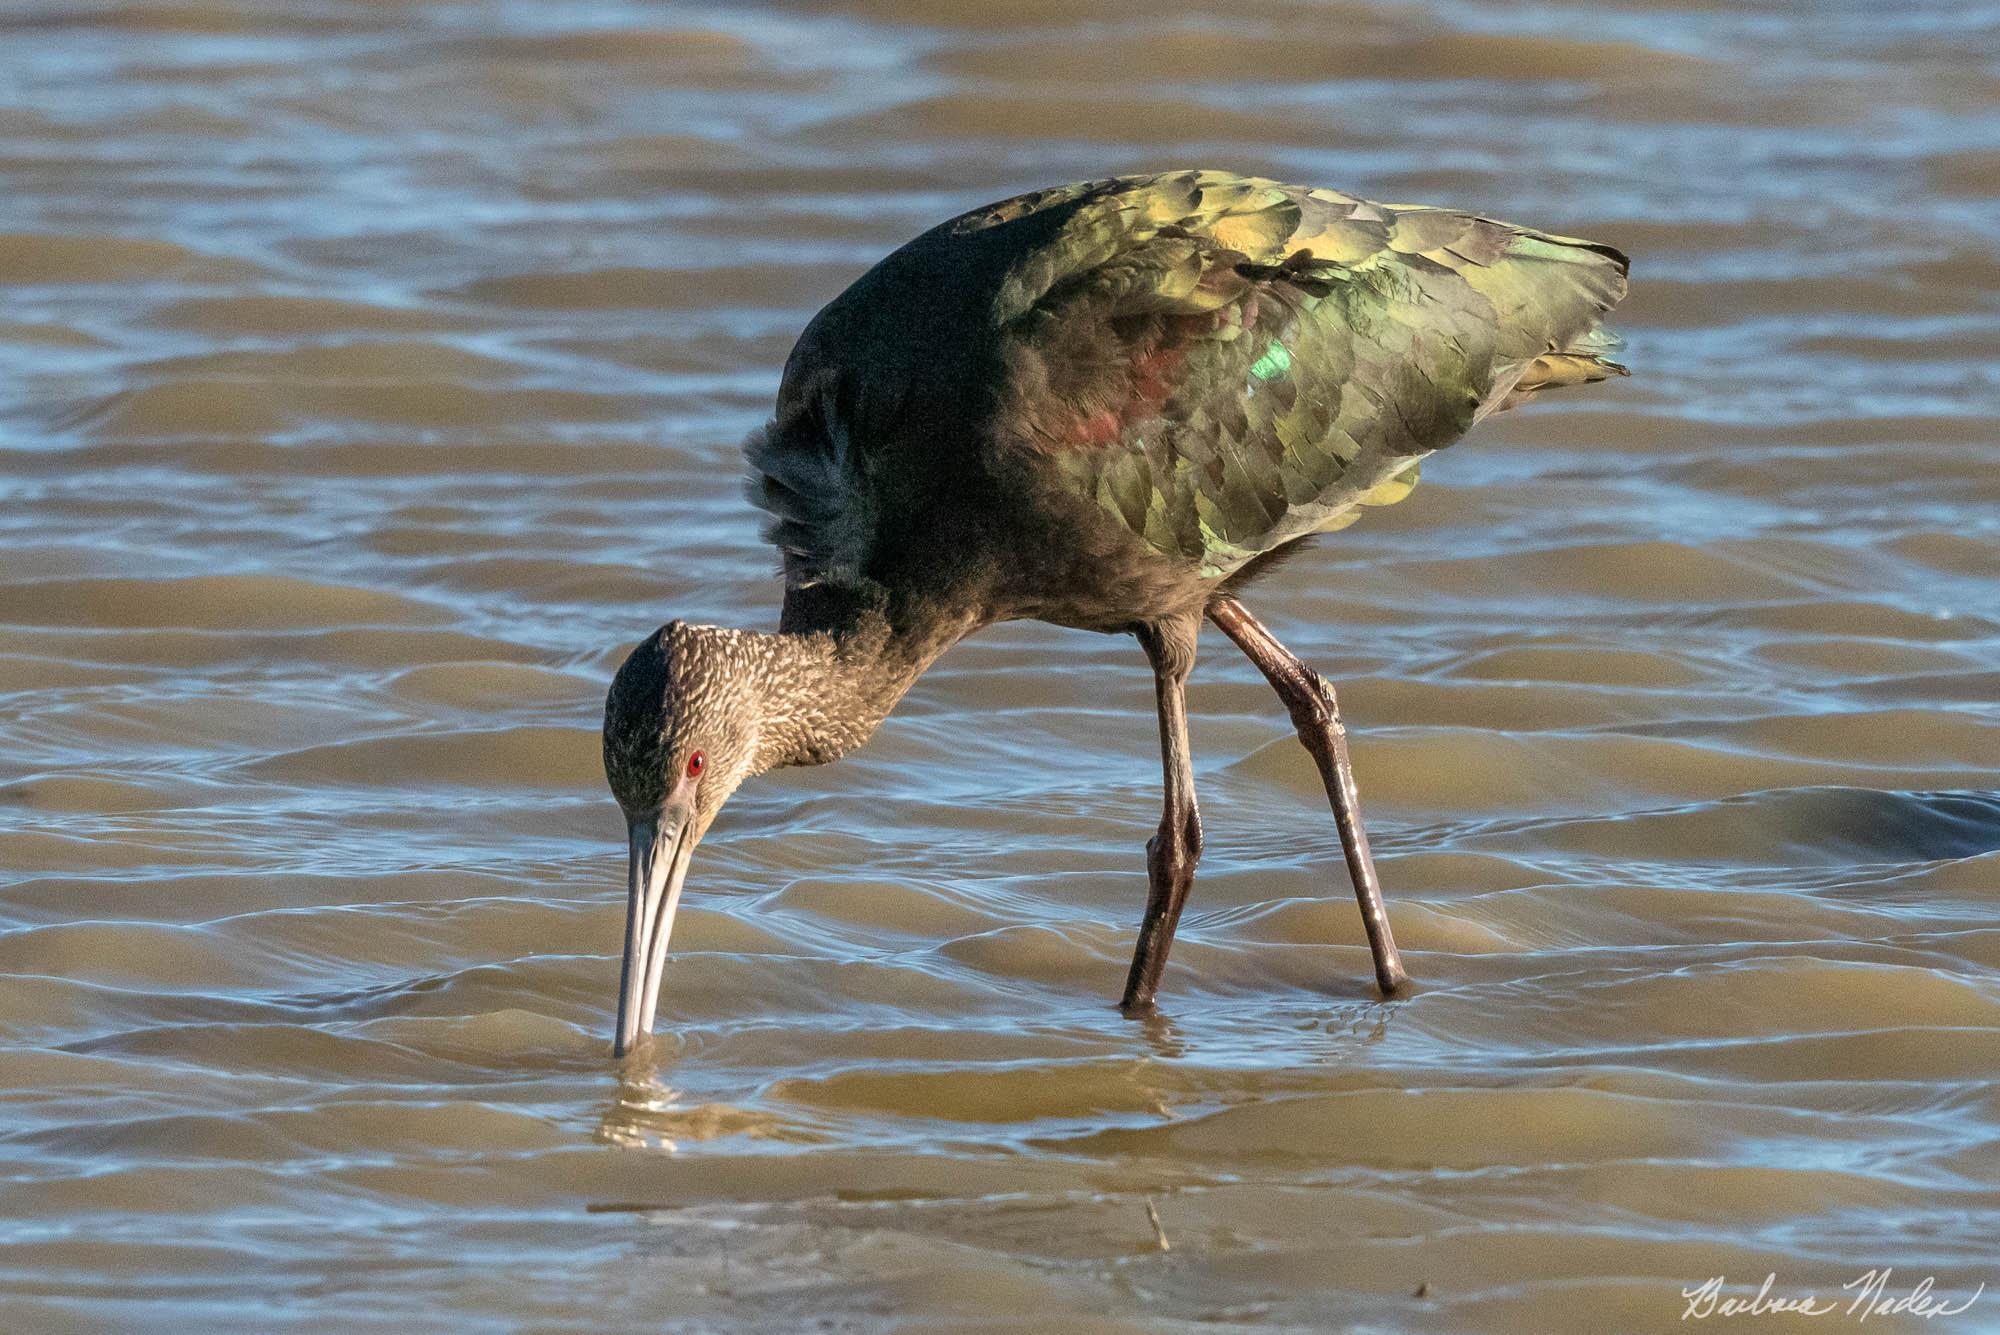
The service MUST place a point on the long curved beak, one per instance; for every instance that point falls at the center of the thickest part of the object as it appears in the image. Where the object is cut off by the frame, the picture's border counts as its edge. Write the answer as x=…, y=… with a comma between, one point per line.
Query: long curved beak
x=659, y=862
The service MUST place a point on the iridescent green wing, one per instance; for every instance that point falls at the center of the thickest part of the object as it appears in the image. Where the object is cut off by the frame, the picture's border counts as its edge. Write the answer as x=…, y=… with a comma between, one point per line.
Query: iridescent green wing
x=1224, y=364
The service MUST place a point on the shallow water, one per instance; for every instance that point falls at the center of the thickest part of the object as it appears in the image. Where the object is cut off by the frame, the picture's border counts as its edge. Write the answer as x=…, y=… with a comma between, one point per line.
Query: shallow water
x=371, y=374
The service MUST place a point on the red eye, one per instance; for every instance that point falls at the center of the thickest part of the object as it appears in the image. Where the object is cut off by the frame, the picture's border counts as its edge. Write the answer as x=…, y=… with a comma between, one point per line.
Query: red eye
x=696, y=763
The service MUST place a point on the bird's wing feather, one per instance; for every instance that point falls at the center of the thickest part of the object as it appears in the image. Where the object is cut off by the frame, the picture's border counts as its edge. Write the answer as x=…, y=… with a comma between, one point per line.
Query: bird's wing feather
x=1219, y=363
x=1224, y=364
x=803, y=475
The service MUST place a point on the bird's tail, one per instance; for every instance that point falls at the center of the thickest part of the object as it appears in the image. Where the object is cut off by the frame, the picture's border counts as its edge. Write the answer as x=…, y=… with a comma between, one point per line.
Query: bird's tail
x=1585, y=361
x=1562, y=288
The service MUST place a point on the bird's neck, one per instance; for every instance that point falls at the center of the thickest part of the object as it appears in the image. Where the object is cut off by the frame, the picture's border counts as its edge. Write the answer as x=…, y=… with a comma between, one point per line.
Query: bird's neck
x=837, y=666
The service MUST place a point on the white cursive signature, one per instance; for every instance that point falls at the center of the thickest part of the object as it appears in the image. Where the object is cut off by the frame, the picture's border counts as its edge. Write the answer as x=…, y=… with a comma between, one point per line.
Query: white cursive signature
x=1871, y=1298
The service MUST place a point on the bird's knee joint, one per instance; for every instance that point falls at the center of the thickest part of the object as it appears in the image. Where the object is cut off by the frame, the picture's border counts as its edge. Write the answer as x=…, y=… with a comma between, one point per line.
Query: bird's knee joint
x=1175, y=841
x=1313, y=718
x=1313, y=707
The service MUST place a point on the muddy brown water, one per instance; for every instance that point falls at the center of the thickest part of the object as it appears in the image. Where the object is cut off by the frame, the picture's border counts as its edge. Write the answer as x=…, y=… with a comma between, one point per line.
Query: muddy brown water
x=371, y=374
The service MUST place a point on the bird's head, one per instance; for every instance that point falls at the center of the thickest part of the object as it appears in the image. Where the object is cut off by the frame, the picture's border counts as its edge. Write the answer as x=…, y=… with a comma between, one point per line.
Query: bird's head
x=680, y=734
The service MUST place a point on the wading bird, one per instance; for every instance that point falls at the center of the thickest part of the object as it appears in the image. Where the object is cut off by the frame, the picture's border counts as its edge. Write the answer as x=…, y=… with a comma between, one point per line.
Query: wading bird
x=1109, y=406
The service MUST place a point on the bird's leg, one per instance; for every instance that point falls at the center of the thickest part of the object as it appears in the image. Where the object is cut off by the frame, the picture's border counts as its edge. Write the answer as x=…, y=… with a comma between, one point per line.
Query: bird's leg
x=1316, y=715
x=1171, y=853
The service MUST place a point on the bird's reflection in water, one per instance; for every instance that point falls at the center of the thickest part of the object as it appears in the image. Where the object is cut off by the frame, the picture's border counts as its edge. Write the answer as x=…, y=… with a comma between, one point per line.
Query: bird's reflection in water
x=1318, y=1041
x=1168, y=1046
x=1163, y=1036
x=643, y=1106
x=648, y=1113
x=1257, y=1037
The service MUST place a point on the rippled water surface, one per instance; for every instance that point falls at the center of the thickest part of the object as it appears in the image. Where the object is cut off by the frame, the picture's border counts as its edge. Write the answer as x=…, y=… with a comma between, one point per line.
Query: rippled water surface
x=371, y=374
